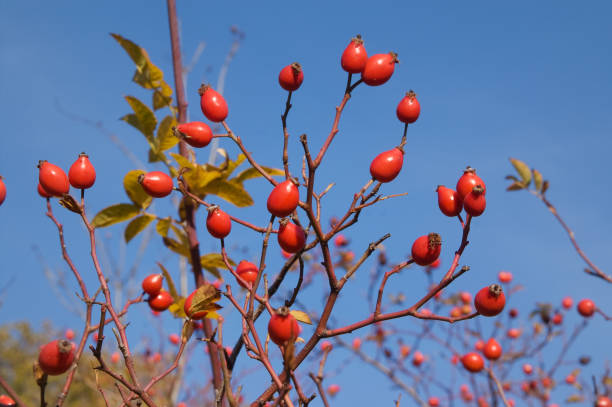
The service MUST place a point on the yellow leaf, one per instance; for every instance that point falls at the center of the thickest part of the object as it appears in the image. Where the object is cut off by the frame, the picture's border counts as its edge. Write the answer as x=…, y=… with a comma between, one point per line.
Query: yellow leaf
x=182, y=161
x=134, y=190
x=537, y=179
x=523, y=170
x=143, y=118
x=169, y=281
x=178, y=308
x=136, y=226
x=232, y=192
x=162, y=226
x=165, y=135
x=301, y=316
x=114, y=214
x=176, y=247
x=253, y=173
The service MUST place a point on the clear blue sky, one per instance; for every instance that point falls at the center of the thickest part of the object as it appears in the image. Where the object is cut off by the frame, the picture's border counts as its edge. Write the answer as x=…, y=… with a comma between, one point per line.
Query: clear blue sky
x=495, y=79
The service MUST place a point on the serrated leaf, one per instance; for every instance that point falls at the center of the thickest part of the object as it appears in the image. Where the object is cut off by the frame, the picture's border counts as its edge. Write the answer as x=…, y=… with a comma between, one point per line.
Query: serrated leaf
x=143, y=118
x=250, y=173
x=176, y=247
x=134, y=190
x=545, y=185
x=165, y=134
x=114, y=214
x=537, y=179
x=231, y=192
x=178, y=308
x=169, y=281
x=516, y=186
x=301, y=316
x=137, y=225
x=523, y=170
x=204, y=299
x=162, y=226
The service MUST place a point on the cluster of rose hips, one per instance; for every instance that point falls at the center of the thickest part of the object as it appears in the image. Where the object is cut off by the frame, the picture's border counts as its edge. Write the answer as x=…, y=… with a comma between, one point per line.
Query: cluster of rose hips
x=53, y=181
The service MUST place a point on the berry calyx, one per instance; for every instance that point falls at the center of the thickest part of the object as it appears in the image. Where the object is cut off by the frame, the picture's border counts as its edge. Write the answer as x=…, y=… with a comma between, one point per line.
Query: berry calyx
x=213, y=104
x=196, y=134
x=56, y=357
x=248, y=271
x=161, y=301
x=283, y=199
x=152, y=284
x=408, y=109
x=354, y=57
x=426, y=249
x=468, y=181
x=218, y=223
x=187, y=306
x=379, y=68
x=387, y=165
x=586, y=308
x=156, y=183
x=283, y=327
x=291, y=237
x=82, y=173
x=492, y=349
x=53, y=179
x=473, y=362
x=475, y=202
x=449, y=201
x=291, y=77
x=490, y=301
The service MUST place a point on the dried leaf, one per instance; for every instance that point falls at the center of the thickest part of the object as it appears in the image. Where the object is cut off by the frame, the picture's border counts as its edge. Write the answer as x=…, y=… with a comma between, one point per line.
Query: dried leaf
x=205, y=299
x=544, y=187
x=516, y=186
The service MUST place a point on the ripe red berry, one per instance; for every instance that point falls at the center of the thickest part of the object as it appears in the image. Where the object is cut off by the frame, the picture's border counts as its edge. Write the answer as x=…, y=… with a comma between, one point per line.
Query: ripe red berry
x=408, y=109
x=504, y=277
x=213, y=104
x=468, y=181
x=475, y=202
x=53, y=179
x=426, y=249
x=513, y=313
x=340, y=241
x=56, y=357
x=218, y=223
x=69, y=334
x=42, y=192
x=248, y=271
x=603, y=401
x=586, y=308
x=156, y=183
x=570, y=379
x=283, y=326
x=326, y=346
x=6, y=401
x=291, y=77
x=82, y=173
x=2, y=190
x=115, y=357
x=567, y=302
x=283, y=199
x=557, y=319
x=356, y=343
x=473, y=362
x=196, y=134
x=174, y=339
x=291, y=237
x=490, y=301
x=387, y=165
x=405, y=351
x=527, y=369
x=354, y=57
x=513, y=333
x=161, y=301
x=492, y=349
x=418, y=358
x=433, y=402
x=449, y=201
x=479, y=345
x=465, y=297
x=333, y=389
x=379, y=68
x=187, y=305
x=152, y=284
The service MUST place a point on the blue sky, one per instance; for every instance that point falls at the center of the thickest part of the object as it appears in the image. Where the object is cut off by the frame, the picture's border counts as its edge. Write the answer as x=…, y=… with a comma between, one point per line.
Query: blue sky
x=523, y=79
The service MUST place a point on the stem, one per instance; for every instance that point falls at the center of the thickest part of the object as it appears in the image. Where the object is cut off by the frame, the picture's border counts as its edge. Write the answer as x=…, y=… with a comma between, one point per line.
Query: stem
x=194, y=245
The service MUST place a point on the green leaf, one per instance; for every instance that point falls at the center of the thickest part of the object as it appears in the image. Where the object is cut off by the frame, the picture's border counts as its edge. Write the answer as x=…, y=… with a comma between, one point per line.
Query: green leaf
x=143, y=118
x=134, y=190
x=523, y=170
x=162, y=226
x=115, y=214
x=176, y=247
x=162, y=96
x=230, y=191
x=169, y=281
x=165, y=135
x=253, y=173
x=137, y=225
x=537, y=179
x=182, y=161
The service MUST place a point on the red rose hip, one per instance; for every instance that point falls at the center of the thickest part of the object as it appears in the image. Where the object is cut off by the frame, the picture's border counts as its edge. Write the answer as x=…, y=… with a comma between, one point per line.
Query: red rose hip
x=56, y=357
x=291, y=237
x=387, y=165
x=2, y=191
x=187, y=306
x=82, y=173
x=354, y=57
x=283, y=199
x=196, y=134
x=408, y=109
x=291, y=77
x=473, y=362
x=379, y=68
x=449, y=201
x=475, y=202
x=468, y=181
x=426, y=249
x=161, y=301
x=53, y=179
x=586, y=308
x=213, y=104
x=490, y=301
x=218, y=223
x=283, y=327
x=156, y=183
x=152, y=284
x=248, y=271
